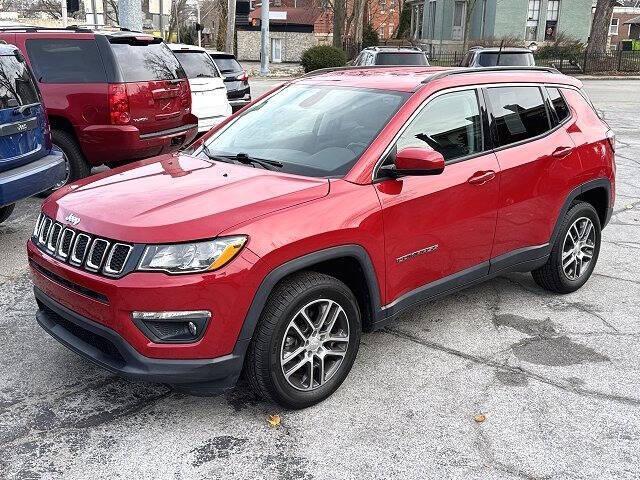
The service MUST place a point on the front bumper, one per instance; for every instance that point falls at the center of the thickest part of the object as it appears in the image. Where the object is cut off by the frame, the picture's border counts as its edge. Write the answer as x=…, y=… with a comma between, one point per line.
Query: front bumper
x=107, y=349
x=32, y=178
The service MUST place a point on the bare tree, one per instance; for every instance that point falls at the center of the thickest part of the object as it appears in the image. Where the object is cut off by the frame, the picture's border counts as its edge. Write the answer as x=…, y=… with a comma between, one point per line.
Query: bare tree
x=471, y=6
x=50, y=8
x=600, y=26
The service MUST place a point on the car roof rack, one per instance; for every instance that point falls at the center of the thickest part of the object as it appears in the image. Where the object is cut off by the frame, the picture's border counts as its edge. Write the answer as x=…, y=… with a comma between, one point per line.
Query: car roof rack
x=34, y=28
x=462, y=71
x=352, y=67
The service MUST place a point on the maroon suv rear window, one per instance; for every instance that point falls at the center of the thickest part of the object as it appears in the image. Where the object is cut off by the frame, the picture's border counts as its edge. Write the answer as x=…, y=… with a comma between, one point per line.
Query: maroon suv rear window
x=144, y=62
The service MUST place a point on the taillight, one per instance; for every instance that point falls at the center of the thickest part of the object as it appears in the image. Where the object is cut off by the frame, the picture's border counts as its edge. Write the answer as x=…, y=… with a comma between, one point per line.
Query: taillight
x=243, y=77
x=185, y=94
x=611, y=136
x=119, y=104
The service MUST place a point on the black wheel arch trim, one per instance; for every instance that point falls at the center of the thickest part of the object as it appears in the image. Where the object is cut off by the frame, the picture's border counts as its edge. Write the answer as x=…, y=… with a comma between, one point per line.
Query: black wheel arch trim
x=575, y=193
x=356, y=252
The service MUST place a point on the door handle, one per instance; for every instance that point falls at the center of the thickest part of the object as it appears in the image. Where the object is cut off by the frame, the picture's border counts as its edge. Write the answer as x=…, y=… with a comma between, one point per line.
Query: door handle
x=480, y=178
x=562, y=152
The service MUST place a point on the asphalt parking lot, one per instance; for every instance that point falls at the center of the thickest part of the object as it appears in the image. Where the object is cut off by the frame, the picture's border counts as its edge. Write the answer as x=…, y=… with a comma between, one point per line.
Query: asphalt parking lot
x=556, y=379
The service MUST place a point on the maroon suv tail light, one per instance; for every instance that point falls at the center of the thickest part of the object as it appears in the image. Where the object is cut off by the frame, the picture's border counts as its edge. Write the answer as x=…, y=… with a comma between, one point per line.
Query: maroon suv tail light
x=119, y=104
x=185, y=94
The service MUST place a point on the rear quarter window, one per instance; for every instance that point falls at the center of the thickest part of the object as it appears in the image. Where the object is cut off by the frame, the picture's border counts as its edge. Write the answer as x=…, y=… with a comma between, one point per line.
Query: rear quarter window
x=559, y=104
x=417, y=58
x=519, y=113
x=66, y=61
x=144, y=62
x=16, y=84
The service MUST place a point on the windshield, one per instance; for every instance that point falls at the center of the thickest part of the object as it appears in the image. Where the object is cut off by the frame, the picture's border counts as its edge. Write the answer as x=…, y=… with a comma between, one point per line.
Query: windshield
x=490, y=59
x=197, y=64
x=417, y=58
x=16, y=84
x=312, y=130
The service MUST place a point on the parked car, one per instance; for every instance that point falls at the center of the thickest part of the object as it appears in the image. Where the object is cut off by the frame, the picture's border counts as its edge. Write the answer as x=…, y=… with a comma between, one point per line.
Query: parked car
x=235, y=78
x=28, y=162
x=391, y=56
x=111, y=97
x=208, y=94
x=478, y=57
x=326, y=209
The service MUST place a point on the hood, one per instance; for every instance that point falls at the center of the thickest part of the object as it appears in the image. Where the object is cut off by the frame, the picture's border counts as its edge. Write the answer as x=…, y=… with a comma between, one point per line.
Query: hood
x=176, y=198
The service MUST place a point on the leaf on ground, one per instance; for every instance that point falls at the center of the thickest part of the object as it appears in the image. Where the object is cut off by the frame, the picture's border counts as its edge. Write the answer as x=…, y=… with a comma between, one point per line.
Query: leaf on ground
x=480, y=418
x=274, y=420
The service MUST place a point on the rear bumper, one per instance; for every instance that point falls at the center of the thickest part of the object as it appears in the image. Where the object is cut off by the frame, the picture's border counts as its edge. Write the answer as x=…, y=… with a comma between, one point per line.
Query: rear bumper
x=121, y=143
x=106, y=348
x=32, y=178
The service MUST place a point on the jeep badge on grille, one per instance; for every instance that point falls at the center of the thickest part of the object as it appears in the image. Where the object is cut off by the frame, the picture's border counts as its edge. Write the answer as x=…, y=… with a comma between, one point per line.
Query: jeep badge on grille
x=72, y=219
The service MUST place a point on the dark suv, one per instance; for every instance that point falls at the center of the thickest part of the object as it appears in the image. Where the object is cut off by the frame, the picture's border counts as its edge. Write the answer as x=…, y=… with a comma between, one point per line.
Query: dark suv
x=478, y=57
x=392, y=56
x=111, y=97
x=235, y=78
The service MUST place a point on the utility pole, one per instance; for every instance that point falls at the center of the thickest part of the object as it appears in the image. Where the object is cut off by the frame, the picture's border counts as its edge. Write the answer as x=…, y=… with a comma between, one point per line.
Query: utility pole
x=231, y=25
x=161, y=20
x=130, y=14
x=264, y=38
x=64, y=13
x=199, y=24
x=94, y=9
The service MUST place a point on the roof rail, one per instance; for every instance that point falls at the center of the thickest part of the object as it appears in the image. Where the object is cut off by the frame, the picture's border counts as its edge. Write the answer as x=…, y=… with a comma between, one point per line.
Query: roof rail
x=462, y=71
x=34, y=28
x=358, y=67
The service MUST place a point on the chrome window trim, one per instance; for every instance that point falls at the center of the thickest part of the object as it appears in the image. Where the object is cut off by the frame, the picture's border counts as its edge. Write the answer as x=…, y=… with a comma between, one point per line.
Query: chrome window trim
x=59, y=252
x=478, y=87
x=74, y=260
x=109, y=271
x=89, y=265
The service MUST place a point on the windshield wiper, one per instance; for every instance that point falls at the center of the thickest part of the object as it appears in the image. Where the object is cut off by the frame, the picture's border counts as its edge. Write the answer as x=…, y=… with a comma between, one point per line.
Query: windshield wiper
x=244, y=159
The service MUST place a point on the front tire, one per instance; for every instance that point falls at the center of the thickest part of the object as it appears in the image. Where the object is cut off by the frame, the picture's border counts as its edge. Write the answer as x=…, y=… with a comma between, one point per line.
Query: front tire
x=305, y=342
x=574, y=253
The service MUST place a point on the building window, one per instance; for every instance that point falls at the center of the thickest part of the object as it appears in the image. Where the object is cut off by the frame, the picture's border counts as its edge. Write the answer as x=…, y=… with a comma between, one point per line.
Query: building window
x=432, y=20
x=613, y=28
x=533, y=15
x=551, y=27
x=383, y=5
x=458, y=20
x=390, y=30
x=381, y=31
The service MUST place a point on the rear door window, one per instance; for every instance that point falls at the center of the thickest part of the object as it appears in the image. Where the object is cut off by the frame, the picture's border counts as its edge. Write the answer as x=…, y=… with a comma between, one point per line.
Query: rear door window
x=66, y=61
x=197, y=64
x=450, y=124
x=145, y=62
x=519, y=113
x=559, y=104
x=16, y=84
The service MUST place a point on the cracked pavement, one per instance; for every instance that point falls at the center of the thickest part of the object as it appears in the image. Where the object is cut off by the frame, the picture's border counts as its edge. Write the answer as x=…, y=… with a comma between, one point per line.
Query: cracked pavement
x=557, y=378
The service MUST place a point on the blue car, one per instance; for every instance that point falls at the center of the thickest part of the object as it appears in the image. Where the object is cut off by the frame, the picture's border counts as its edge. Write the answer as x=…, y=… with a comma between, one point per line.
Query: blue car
x=29, y=164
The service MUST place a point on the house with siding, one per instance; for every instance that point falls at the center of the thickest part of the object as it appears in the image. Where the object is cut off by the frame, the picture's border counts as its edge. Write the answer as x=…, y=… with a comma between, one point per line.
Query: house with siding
x=441, y=25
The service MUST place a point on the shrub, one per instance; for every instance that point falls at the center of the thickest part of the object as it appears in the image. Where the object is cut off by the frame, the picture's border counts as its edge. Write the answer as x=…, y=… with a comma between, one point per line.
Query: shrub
x=563, y=46
x=369, y=36
x=323, y=56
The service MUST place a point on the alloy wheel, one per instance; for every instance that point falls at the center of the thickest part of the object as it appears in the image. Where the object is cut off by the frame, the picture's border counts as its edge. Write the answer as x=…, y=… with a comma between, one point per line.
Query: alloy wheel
x=314, y=345
x=578, y=248
x=67, y=172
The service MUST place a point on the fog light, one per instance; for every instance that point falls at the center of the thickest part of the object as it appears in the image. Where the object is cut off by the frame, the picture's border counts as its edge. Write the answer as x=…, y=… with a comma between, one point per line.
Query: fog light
x=172, y=327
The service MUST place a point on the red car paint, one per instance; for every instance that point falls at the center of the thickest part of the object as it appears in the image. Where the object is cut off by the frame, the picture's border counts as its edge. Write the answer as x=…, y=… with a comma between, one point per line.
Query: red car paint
x=84, y=109
x=501, y=202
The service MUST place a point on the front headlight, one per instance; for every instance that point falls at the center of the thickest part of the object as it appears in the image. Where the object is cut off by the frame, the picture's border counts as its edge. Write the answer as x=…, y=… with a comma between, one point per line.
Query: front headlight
x=192, y=257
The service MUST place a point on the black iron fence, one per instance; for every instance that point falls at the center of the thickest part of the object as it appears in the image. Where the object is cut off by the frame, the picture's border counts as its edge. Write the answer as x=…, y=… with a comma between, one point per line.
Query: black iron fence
x=584, y=63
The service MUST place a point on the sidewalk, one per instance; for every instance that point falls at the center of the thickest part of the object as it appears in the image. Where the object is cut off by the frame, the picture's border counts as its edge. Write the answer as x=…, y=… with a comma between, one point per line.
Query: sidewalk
x=276, y=70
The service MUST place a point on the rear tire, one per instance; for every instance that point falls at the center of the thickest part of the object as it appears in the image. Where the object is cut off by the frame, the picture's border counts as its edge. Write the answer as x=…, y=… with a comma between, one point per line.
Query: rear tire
x=574, y=253
x=77, y=166
x=331, y=344
x=6, y=211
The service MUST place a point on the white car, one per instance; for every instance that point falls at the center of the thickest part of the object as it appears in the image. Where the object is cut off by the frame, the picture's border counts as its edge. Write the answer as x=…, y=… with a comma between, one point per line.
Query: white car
x=208, y=94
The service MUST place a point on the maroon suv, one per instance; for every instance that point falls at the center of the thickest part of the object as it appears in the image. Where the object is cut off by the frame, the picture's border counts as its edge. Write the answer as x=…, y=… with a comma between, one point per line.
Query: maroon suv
x=111, y=97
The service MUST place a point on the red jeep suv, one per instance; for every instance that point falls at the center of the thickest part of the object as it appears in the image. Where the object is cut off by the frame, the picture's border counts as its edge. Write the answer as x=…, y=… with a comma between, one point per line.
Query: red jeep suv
x=326, y=208
x=111, y=97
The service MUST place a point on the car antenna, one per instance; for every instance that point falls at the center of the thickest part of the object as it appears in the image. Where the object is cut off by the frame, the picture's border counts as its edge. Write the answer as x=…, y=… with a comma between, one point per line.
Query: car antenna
x=499, y=53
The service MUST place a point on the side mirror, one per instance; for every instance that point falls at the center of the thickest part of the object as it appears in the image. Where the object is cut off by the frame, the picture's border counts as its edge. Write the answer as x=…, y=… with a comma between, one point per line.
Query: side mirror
x=419, y=161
